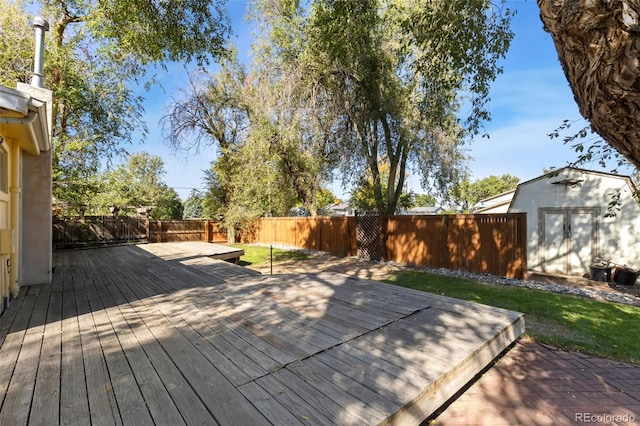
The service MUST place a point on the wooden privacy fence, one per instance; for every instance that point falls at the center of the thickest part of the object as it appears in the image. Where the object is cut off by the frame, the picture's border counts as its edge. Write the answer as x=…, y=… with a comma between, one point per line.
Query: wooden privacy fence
x=186, y=230
x=493, y=243
x=92, y=230
x=335, y=235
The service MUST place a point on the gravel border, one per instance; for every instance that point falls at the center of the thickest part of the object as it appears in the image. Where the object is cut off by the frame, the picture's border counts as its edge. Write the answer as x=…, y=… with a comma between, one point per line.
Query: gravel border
x=599, y=295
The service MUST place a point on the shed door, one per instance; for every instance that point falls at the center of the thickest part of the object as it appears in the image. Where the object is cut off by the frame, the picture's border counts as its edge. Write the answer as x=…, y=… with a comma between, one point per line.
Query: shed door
x=555, y=246
x=569, y=241
x=582, y=235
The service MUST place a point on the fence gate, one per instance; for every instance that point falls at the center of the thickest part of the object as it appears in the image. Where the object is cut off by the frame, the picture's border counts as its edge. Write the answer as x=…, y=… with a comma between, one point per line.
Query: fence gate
x=368, y=236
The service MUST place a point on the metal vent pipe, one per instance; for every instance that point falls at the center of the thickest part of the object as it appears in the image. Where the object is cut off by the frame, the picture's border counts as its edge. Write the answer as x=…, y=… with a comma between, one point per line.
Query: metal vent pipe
x=41, y=27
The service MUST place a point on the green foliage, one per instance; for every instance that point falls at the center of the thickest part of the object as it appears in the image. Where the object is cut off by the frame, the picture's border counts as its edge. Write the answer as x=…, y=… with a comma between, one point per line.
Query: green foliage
x=257, y=120
x=16, y=44
x=424, y=200
x=215, y=199
x=466, y=194
x=344, y=84
x=96, y=55
x=157, y=32
x=589, y=147
x=325, y=198
x=573, y=323
x=193, y=206
x=139, y=182
x=363, y=196
x=393, y=75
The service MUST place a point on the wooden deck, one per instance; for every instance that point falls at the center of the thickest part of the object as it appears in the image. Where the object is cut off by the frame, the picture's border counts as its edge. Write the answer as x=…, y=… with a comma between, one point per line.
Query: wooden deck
x=141, y=335
x=194, y=249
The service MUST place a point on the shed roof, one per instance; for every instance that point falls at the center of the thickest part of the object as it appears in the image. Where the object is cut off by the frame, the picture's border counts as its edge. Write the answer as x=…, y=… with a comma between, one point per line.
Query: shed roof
x=556, y=174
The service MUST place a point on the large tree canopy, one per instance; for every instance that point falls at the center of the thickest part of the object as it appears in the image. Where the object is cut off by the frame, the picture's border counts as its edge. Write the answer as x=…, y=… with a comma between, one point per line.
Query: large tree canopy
x=598, y=44
x=372, y=87
x=396, y=75
x=139, y=182
x=16, y=36
x=99, y=54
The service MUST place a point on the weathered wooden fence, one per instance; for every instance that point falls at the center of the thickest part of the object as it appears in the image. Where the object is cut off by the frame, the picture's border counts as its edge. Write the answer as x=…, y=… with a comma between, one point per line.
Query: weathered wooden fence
x=186, y=230
x=494, y=243
x=335, y=235
x=92, y=230
x=489, y=243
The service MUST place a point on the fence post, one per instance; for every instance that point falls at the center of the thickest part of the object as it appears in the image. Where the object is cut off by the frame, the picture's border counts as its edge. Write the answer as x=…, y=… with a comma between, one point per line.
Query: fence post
x=117, y=225
x=447, y=237
x=207, y=232
x=159, y=238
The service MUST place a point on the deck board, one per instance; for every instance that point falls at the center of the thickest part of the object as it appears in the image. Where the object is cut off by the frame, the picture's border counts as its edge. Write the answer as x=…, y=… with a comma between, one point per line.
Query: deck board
x=47, y=387
x=165, y=334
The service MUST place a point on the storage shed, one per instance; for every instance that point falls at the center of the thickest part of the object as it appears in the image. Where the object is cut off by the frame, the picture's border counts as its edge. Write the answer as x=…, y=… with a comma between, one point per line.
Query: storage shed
x=570, y=220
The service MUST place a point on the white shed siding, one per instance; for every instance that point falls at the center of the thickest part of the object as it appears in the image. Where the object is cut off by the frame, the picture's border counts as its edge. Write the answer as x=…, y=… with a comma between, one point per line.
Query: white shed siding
x=579, y=195
x=496, y=204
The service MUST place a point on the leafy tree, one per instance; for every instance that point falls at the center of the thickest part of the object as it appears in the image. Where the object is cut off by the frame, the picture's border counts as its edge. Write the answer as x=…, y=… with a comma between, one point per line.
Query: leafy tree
x=139, y=182
x=193, y=206
x=16, y=44
x=168, y=205
x=217, y=193
x=325, y=198
x=588, y=146
x=424, y=200
x=287, y=115
x=394, y=74
x=97, y=53
x=363, y=195
x=466, y=194
x=598, y=44
x=265, y=114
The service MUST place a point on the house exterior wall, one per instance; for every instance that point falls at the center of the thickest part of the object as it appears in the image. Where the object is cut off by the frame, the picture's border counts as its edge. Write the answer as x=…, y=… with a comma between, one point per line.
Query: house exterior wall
x=36, y=238
x=5, y=220
x=36, y=257
x=583, y=193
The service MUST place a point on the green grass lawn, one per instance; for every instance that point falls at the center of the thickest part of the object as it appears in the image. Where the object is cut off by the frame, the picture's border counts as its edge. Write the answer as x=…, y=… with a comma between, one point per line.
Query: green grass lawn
x=259, y=255
x=573, y=323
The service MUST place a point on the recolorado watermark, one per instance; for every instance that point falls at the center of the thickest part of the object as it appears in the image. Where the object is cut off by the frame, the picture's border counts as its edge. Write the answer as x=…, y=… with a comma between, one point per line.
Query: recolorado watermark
x=604, y=418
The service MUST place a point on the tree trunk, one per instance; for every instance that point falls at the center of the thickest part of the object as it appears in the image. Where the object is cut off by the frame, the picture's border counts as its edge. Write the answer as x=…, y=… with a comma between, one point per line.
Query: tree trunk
x=598, y=44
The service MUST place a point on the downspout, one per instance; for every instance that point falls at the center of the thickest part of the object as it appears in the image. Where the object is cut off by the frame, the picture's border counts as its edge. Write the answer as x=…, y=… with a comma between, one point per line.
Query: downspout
x=15, y=189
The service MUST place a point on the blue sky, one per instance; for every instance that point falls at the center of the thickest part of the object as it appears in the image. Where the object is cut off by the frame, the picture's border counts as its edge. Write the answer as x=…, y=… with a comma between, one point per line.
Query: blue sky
x=528, y=101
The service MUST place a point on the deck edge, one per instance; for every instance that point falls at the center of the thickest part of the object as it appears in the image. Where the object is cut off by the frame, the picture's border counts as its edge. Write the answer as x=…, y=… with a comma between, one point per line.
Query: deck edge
x=440, y=391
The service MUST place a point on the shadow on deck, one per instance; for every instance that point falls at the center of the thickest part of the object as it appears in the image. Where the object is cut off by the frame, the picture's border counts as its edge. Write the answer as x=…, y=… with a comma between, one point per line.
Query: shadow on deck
x=149, y=334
